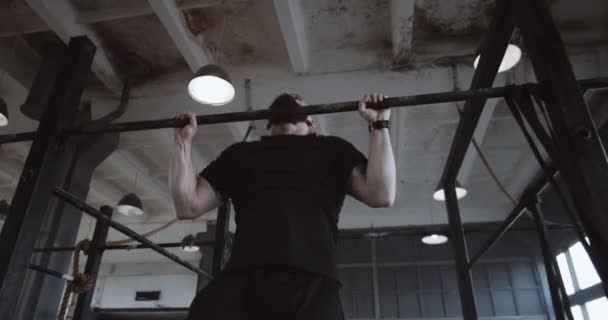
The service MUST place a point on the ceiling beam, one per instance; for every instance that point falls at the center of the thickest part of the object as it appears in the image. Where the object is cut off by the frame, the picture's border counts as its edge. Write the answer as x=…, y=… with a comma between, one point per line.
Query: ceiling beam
x=173, y=20
x=60, y=16
x=15, y=21
x=291, y=20
x=120, y=9
x=402, y=28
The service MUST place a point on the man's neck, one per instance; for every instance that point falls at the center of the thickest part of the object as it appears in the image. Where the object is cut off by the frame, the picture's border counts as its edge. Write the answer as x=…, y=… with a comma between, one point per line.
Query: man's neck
x=289, y=129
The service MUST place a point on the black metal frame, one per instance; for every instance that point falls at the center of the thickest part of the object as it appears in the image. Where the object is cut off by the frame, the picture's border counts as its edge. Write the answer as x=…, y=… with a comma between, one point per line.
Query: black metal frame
x=50, y=272
x=578, y=153
x=124, y=246
x=100, y=216
x=221, y=236
x=83, y=309
x=577, y=145
x=46, y=158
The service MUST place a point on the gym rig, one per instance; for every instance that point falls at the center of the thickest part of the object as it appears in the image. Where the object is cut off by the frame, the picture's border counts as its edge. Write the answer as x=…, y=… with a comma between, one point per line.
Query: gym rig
x=565, y=130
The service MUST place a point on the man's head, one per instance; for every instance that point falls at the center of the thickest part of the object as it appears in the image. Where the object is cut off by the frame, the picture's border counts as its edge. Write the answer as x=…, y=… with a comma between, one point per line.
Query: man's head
x=286, y=120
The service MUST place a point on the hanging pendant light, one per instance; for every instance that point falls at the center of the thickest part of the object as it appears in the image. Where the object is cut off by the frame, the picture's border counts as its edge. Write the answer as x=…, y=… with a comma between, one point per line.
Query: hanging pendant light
x=211, y=85
x=509, y=60
x=130, y=205
x=3, y=113
x=439, y=193
x=188, y=244
x=434, y=239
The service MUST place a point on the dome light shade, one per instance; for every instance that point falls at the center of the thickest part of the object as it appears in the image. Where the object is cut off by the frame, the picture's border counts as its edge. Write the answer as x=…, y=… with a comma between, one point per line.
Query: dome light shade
x=130, y=206
x=510, y=59
x=3, y=113
x=189, y=244
x=211, y=85
x=434, y=239
x=439, y=194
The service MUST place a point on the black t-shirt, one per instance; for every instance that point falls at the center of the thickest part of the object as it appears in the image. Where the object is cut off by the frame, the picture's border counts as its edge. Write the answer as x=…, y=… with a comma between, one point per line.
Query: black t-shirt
x=287, y=192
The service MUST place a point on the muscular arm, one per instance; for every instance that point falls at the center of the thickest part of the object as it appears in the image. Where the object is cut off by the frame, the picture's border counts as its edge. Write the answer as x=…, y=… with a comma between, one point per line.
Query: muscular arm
x=375, y=185
x=192, y=195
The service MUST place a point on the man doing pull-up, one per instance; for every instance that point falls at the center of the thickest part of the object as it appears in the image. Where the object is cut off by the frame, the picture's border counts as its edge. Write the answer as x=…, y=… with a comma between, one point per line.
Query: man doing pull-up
x=287, y=190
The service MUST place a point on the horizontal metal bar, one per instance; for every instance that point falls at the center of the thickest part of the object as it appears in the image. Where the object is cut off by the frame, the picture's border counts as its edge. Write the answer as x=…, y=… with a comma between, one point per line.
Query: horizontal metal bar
x=51, y=272
x=67, y=197
x=395, y=102
x=593, y=83
x=406, y=101
x=17, y=137
x=127, y=246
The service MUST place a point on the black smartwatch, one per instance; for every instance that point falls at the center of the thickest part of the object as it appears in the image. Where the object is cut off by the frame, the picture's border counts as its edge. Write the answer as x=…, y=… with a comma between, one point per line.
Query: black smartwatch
x=380, y=124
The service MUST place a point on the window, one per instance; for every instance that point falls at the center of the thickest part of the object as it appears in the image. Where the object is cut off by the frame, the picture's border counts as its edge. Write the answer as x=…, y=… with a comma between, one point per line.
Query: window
x=565, y=271
x=597, y=309
x=581, y=283
x=584, y=269
x=577, y=313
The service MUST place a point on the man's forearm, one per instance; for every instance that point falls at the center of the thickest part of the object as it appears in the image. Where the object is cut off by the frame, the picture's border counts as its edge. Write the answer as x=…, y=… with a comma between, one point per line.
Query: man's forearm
x=182, y=179
x=381, y=173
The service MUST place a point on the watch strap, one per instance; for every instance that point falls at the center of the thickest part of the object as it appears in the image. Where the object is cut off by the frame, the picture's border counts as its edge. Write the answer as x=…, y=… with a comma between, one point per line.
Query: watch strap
x=380, y=124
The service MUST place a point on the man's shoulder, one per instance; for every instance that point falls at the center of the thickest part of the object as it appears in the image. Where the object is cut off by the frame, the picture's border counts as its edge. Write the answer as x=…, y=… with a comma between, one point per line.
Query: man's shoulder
x=334, y=140
x=235, y=147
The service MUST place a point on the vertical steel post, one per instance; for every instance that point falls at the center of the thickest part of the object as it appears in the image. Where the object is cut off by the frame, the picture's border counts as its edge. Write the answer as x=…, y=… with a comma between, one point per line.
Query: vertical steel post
x=221, y=235
x=84, y=155
x=83, y=305
x=561, y=305
x=461, y=256
x=581, y=156
x=32, y=195
x=492, y=52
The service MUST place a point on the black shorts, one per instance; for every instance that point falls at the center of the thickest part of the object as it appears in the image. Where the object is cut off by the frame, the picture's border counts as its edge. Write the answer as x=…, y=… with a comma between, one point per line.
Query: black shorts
x=268, y=294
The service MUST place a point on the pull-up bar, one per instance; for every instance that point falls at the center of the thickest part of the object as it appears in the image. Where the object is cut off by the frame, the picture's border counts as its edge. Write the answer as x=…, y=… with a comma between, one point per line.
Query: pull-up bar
x=125, y=246
x=396, y=102
x=67, y=197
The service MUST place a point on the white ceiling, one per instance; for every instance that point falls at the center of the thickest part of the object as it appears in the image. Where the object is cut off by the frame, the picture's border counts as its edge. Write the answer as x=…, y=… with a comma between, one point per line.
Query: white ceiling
x=328, y=51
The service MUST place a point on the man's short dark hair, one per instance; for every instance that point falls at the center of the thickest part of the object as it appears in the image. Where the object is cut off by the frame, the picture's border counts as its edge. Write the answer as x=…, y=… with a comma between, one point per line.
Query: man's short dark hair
x=285, y=107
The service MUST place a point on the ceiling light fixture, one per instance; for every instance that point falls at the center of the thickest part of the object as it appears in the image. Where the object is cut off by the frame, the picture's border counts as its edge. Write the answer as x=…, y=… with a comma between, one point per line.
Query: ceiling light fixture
x=439, y=193
x=509, y=60
x=434, y=239
x=130, y=205
x=211, y=85
x=188, y=244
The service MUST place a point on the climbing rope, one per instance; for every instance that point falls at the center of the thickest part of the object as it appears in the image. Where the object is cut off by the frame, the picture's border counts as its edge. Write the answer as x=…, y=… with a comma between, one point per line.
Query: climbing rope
x=82, y=282
x=145, y=235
